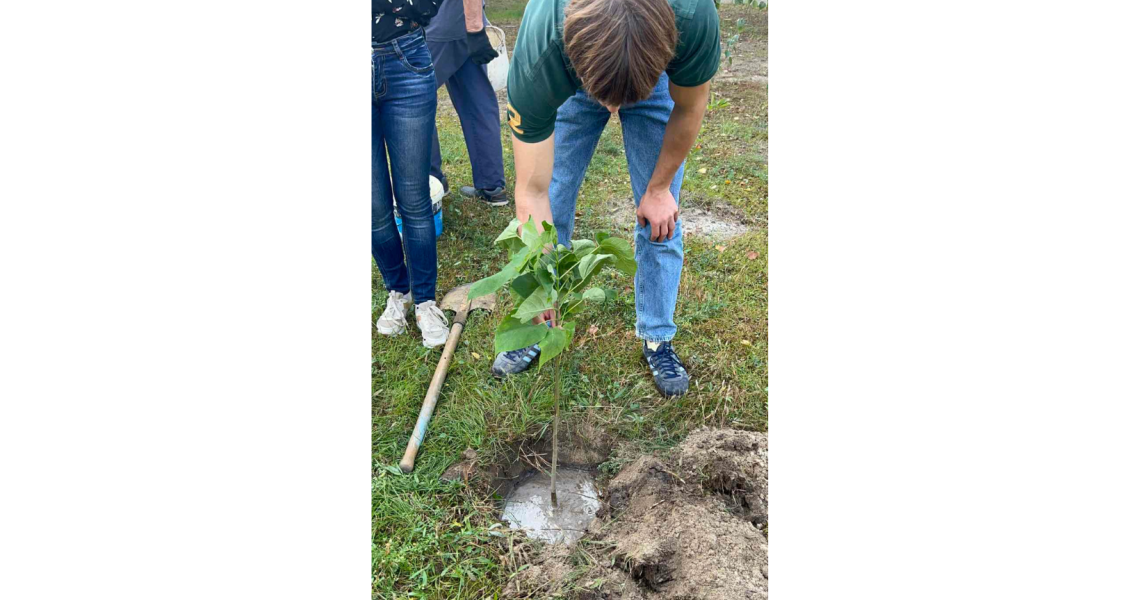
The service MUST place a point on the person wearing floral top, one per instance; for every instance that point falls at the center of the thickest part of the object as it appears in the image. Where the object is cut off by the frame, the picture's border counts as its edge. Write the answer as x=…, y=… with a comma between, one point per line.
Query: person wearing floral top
x=403, y=113
x=394, y=18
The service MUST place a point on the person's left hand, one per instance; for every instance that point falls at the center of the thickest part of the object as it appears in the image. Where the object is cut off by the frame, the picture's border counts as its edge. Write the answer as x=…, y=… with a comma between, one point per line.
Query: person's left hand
x=479, y=47
x=658, y=209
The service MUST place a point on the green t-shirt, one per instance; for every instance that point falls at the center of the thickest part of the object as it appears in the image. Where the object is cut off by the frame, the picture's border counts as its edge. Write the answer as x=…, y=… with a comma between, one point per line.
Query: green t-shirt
x=541, y=77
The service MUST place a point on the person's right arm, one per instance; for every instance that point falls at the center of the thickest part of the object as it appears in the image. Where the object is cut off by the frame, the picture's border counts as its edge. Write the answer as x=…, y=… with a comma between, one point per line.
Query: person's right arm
x=478, y=44
x=534, y=164
x=473, y=15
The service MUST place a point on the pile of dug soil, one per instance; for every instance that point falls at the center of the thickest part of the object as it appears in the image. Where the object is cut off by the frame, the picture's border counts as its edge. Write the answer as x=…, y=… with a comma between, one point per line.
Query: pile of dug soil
x=690, y=523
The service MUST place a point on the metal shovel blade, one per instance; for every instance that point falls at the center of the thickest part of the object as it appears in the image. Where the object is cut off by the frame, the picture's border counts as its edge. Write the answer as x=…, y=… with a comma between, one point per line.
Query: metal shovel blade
x=455, y=299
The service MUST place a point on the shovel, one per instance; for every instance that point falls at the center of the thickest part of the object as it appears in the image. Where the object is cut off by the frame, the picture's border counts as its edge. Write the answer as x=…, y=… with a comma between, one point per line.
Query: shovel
x=455, y=300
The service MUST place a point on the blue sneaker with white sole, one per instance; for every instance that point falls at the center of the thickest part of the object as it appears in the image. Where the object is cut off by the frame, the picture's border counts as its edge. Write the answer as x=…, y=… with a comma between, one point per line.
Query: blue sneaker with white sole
x=514, y=361
x=668, y=372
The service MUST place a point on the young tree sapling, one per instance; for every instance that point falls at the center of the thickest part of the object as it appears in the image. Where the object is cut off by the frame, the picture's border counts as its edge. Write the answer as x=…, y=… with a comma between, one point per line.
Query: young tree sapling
x=547, y=278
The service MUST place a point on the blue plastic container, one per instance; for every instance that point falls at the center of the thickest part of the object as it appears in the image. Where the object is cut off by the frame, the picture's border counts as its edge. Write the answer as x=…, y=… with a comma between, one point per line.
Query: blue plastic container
x=437, y=210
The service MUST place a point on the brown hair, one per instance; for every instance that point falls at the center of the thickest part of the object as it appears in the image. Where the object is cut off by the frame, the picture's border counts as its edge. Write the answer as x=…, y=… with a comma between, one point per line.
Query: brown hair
x=619, y=48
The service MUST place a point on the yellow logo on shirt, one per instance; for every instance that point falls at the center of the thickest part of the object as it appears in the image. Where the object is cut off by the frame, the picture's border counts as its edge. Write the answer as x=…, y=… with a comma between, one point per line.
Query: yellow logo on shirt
x=514, y=120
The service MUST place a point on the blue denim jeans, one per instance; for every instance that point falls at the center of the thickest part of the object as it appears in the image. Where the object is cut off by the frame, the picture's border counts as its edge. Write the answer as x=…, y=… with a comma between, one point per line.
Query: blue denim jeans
x=478, y=109
x=403, y=116
x=581, y=120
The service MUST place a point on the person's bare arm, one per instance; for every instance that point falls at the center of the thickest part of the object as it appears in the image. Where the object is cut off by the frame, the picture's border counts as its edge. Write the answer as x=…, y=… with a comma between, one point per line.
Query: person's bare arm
x=658, y=206
x=473, y=15
x=534, y=164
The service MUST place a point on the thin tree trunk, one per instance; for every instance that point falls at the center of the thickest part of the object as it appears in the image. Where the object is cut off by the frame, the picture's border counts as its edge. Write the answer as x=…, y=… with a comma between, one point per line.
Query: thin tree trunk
x=557, y=404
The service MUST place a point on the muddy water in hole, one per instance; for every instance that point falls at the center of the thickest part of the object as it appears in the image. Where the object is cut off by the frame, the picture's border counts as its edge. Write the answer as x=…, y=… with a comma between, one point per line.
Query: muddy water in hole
x=528, y=507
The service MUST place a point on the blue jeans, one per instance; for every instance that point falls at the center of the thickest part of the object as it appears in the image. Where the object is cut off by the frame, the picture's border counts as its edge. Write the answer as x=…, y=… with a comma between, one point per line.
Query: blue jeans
x=403, y=116
x=478, y=109
x=576, y=132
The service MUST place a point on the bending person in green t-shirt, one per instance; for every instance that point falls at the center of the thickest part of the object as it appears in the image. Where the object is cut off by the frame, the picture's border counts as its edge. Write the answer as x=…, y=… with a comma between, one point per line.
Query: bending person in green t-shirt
x=576, y=63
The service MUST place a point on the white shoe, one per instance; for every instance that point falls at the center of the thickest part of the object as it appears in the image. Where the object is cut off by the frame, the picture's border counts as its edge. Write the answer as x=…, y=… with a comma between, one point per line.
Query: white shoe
x=432, y=323
x=394, y=321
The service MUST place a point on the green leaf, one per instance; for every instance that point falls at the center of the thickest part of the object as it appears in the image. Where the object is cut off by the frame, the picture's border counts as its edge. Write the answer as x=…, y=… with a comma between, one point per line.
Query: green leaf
x=523, y=286
x=538, y=302
x=548, y=237
x=529, y=233
x=626, y=263
x=582, y=247
x=488, y=285
x=570, y=305
x=567, y=261
x=555, y=342
x=513, y=334
x=510, y=233
x=594, y=294
x=589, y=266
x=544, y=278
x=509, y=238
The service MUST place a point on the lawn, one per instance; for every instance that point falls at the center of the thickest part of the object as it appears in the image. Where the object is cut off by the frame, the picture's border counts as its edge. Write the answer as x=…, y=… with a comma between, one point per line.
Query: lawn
x=433, y=539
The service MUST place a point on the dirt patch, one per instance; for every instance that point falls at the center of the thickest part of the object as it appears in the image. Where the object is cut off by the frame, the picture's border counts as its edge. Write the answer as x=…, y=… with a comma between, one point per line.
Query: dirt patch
x=716, y=221
x=686, y=524
x=749, y=63
x=750, y=53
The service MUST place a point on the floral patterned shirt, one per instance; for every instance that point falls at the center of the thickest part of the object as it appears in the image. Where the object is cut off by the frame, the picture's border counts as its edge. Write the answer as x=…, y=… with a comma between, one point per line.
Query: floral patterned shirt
x=393, y=18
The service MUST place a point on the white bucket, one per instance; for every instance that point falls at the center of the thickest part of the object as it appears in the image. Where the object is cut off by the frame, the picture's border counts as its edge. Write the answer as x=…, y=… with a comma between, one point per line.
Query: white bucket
x=435, y=188
x=497, y=69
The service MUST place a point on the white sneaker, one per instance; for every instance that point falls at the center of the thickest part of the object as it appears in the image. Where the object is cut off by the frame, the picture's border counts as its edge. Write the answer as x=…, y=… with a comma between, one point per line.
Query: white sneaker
x=394, y=321
x=432, y=323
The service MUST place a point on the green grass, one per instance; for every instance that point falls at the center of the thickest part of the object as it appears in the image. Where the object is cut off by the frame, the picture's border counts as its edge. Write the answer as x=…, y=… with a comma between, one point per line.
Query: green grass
x=442, y=540
x=505, y=11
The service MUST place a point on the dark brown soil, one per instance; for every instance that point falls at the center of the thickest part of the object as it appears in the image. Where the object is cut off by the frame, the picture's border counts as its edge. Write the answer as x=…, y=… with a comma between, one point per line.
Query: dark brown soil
x=687, y=524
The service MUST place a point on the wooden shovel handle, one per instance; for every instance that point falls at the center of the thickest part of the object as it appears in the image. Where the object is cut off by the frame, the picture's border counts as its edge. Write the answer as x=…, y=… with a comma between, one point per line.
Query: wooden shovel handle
x=430, y=398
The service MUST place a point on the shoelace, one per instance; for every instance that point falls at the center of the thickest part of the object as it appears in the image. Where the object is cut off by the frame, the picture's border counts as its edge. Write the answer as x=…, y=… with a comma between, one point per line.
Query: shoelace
x=514, y=355
x=434, y=317
x=395, y=309
x=664, y=360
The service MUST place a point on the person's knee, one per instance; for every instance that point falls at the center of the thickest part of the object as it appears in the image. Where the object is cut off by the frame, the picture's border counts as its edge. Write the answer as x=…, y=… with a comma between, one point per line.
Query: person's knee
x=383, y=227
x=417, y=210
x=673, y=245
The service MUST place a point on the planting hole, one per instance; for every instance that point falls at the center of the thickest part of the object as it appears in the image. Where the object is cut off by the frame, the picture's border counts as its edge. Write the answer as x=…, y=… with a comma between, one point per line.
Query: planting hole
x=528, y=506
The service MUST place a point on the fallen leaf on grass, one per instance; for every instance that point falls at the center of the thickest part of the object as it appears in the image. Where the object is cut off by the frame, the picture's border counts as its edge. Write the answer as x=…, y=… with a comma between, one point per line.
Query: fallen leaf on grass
x=746, y=342
x=592, y=330
x=752, y=255
x=702, y=170
x=475, y=355
x=721, y=248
